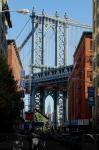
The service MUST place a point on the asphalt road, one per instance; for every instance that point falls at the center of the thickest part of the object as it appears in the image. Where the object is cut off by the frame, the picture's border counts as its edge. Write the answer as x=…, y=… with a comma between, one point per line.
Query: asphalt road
x=53, y=145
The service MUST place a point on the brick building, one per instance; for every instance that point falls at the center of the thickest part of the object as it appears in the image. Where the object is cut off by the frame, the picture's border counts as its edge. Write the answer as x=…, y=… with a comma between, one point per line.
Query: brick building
x=14, y=60
x=5, y=22
x=80, y=80
x=96, y=59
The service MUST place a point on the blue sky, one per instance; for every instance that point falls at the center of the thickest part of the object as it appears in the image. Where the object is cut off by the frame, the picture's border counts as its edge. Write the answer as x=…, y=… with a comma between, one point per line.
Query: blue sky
x=76, y=9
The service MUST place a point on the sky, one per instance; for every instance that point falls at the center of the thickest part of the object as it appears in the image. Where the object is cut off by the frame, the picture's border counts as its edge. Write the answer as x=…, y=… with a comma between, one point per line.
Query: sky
x=80, y=10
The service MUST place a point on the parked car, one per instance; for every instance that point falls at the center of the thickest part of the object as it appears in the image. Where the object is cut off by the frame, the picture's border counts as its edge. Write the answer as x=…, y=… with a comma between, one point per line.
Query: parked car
x=89, y=142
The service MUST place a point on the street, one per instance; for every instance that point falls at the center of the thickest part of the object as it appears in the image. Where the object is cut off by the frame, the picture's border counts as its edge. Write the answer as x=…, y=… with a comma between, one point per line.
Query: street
x=24, y=142
x=51, y=145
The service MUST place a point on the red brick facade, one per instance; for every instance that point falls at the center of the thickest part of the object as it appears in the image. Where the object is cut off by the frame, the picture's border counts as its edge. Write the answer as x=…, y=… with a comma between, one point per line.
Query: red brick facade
x=80, y=80
x=14, y=60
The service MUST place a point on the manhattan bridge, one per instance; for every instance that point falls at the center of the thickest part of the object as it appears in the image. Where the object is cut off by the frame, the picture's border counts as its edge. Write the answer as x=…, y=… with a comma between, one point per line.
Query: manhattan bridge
x=47, y=44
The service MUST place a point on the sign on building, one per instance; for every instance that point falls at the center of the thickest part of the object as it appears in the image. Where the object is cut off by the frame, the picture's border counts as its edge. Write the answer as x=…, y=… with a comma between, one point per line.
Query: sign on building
x=37, y=124
x=22, y=73
x=29, y=116
x=22, y=93
x=22, y=83
x=91, y=96
x=91, y=92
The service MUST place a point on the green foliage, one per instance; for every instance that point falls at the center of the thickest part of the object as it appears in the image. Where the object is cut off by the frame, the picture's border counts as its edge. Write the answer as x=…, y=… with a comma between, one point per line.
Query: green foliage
x=9, y=96
x=40, y=117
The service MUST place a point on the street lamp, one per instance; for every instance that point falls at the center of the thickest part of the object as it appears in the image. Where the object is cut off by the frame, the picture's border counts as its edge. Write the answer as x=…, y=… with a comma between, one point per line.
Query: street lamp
x=21, y=11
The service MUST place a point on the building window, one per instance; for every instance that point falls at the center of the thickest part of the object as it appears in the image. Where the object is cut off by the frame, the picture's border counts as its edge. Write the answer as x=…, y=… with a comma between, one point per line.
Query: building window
x=91, y=76
x=91, y=45
x=91, y=61
x=97, y=20
x=87, y=59
x=88, y=74
x=97, y=81
x=94, y=64
x=94, y=25
x=97, y=60
x=94, y=81
x=97, y=101
x=97, y=38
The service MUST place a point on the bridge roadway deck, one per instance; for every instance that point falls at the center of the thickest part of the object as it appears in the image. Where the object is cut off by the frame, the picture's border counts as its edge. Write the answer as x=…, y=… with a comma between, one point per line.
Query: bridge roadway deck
x=56, y=79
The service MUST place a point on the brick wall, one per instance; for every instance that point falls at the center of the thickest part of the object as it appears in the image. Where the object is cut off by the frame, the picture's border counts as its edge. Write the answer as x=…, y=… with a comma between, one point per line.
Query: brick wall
x=80, y=80
x=14, y=60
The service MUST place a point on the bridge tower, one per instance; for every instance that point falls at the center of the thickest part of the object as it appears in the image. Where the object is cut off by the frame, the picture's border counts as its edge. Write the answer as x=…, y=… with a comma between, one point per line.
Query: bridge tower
x=40, y=24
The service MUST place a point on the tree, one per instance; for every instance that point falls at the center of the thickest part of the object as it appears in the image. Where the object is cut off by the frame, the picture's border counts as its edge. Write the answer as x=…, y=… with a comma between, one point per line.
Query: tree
x=9, y=97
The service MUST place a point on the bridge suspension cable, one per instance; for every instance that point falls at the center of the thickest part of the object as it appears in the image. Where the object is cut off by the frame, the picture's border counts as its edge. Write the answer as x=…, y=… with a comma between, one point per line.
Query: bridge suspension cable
x=22, y=29
x=48, y=19
x=65, y=20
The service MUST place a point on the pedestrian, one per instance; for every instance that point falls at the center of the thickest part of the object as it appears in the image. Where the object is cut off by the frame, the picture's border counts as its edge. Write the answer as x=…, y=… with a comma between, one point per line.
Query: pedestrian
x=42, y=143
x=35, y=142
x=30, y=140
